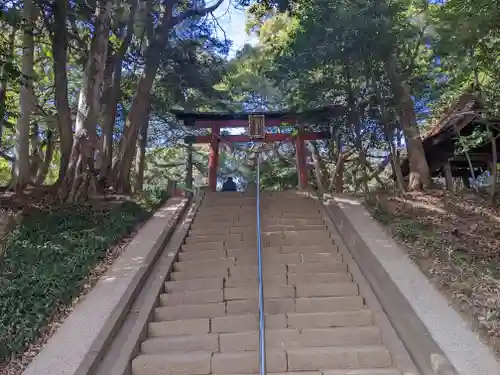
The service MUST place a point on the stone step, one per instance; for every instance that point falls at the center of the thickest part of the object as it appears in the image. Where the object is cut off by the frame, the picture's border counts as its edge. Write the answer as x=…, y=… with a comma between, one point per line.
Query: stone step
x=247, y=322
x=247, y=362
x=252, y=270
x=198, y=297
x=364, y=371
x=326, y=257
x=309, y=234
x=214, y=283
x=213, y=238
x=252, y=292
x=357, y=318
x=249, y=340
x=206, y=273
x=296, y=213
x=186, y=256
x=221, y=230
x=225, y=215
x=195, y=265
x=207, y=322
x=194, y=363
x=298, y=228
x=326, y=289
x=244, y=257
x=289, y=338
x=251, y=259
x=179, y=327
x=207, y=310
x=294, y=279
x=346, y=357
x=328, y=304
x=320, y=240
x=269, y=279
x=311, y=249
x=292, y=221
x=317, y=268
x=186, y=343
x=341, y=336
x=203, y=246
x=251, y=306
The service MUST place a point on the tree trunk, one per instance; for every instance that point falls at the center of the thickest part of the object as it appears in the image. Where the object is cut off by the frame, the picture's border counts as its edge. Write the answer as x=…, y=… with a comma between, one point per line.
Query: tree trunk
x=36, y=157
x=107, y=84
x=338, y=174
x=469, y=161
x=389, y=134
x=138, y=112
x=376, y=172
x=140, y=159
x=396, y=169
x=47, y=159
x=112, y=99
x=60, y=53
x=189, y=168
x=140, y=104
x=355, y=120
x=419, y=169
x=448, y=176
x=317, y=166
x=21, y=173
x=494, y=163
x=4, y=78
x=80, y=178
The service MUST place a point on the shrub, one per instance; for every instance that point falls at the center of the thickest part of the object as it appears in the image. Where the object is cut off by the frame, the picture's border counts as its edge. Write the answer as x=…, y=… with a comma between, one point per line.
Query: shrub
x=47, y=261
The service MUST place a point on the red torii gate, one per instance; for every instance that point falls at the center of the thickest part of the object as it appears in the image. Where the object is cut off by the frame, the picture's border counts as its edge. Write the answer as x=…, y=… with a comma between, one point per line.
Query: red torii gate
x=217, y=121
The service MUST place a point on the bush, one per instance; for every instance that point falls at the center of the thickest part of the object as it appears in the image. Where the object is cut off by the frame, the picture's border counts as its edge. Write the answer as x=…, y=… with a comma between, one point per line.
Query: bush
x=47, y=262
x=154, y=196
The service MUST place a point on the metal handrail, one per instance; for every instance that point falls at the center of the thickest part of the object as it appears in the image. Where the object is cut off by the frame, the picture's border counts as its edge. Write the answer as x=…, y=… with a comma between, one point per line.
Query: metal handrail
x=262, y=339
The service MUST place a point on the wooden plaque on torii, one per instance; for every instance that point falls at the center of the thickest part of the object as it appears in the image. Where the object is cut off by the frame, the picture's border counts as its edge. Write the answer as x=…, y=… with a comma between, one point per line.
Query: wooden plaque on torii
x=257, y=126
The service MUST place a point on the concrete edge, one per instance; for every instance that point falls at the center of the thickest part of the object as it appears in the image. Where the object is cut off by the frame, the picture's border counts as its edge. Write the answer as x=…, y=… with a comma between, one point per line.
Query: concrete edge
x=127, y=343
x=427, y=356
x=117, y=318
x=112, y=324
x=400, y=356
x=464, y=351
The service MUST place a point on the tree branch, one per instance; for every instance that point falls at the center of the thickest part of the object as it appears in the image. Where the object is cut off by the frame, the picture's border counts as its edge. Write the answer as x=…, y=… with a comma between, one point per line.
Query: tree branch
x=195, y=12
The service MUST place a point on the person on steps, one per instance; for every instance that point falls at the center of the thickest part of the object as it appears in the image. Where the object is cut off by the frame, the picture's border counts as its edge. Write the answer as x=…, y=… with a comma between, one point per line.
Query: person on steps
x=229, y=185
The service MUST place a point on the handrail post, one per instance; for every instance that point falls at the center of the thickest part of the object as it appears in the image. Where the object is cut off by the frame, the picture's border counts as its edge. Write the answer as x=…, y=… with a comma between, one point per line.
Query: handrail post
x=262, y=340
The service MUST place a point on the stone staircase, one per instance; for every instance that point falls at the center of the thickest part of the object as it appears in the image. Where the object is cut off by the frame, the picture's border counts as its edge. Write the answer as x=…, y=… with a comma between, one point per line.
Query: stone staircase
x=207, y=318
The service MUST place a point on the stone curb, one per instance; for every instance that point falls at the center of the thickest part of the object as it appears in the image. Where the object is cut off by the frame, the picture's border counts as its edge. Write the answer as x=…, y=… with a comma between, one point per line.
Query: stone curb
x=80, y=342
x=127, y=342
x=400, y=356
x=436, y=337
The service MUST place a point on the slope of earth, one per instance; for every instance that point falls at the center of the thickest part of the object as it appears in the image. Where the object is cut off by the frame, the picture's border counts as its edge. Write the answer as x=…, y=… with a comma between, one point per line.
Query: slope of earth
x=455, y=240
x=50, y=258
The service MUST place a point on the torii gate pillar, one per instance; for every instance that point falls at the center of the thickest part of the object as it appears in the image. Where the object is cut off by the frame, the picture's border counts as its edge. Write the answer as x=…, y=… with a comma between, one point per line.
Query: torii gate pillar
x=301, y=160
x=213, y=158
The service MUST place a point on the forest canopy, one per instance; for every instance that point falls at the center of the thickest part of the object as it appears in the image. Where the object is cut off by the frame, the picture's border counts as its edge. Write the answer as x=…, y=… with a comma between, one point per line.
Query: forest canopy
x=87, y=88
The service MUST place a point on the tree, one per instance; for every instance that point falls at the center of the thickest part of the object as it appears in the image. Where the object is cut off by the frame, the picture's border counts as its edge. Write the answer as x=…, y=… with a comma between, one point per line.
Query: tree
x=21, y=171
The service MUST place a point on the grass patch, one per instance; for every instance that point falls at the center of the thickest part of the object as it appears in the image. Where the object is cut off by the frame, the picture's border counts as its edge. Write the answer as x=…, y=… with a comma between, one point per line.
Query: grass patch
x=48, y=261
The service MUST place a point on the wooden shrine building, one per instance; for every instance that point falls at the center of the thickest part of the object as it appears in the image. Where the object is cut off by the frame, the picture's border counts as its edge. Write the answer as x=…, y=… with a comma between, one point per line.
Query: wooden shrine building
x=442, y=146
x=256, y=122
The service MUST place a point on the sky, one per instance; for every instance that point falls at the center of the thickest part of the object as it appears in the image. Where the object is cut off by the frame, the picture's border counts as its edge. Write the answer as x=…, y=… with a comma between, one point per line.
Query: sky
x=232, y=21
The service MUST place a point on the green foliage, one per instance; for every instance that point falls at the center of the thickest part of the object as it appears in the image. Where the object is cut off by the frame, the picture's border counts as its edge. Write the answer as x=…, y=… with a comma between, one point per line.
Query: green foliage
x=4, y=172
x=154, y=196
x=47, y=262
x=278, y=175
x=466, y=40
x=478, y=138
